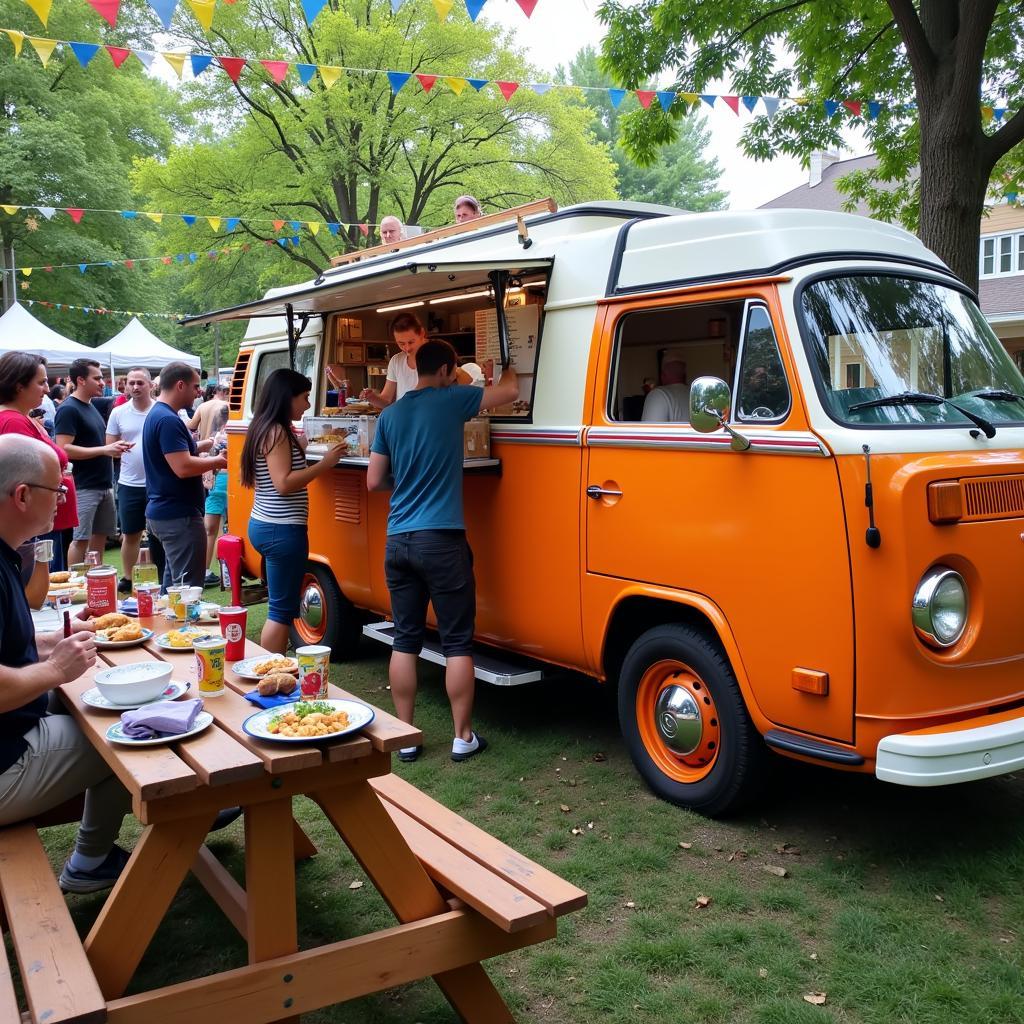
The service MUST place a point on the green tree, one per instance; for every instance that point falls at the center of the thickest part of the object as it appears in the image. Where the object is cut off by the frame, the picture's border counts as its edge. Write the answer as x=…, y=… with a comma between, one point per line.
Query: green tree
x=68, y=138
x=931, y=65
x=679, y=176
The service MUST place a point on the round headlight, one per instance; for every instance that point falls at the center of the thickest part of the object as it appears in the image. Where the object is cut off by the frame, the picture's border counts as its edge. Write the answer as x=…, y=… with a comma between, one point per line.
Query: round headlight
x=939, y=610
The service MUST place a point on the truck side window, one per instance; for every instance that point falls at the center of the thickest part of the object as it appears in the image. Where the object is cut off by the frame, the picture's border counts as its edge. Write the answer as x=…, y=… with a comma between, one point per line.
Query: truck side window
x=763, y=391
x=305, y=363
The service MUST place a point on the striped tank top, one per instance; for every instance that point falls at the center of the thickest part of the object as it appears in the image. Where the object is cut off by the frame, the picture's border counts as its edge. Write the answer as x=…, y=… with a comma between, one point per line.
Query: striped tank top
x=271, y=507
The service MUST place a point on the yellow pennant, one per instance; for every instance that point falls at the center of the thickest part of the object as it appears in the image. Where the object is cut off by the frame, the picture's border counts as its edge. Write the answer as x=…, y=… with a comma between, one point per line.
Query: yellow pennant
x=690, y=97
x=156, y=218
x=17, y=38
x=12, y=210
x=27, y=271
x=456, y=85
x=44, y=47
x=329, y=74
x=986, y=113
x=443, y=8
x=42, y=9
x=214, y=223
x=176, y=60
x=203, y=10
x=313, y=225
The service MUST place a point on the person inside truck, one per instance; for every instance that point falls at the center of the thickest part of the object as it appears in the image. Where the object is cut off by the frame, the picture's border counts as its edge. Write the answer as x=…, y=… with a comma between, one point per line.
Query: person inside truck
x=417, y=454
x=670, y=401
x=391, y=230
x=467, y=208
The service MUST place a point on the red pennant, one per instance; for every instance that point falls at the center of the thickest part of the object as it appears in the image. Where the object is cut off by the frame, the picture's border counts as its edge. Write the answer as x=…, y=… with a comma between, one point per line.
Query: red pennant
x=644, y=96
x=268, y=241
x=233, y=66
x=118, y=54
x=365, y=229
x=733, y=102
x=527, y=6
x=75, y=214
x=853, y=106
x=278, y=224
x=427, y=81
x=165, y=260
x=508, y=89
x=129, y=264
x=49, y=270
x=277, y=69
x=106, y=9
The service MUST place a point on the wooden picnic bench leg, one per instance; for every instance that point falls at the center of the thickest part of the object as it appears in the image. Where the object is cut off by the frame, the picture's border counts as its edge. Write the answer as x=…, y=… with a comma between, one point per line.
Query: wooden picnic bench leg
x=360, y=819
x=139, y=900
x=304, y=846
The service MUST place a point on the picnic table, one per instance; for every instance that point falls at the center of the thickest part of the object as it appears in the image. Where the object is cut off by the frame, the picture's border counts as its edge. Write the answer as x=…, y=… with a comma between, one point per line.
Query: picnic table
x=460, y=895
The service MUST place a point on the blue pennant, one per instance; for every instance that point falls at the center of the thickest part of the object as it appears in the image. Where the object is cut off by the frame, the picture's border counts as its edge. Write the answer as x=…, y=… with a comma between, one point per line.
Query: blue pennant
x=295, y=225
x=200, y=62
x=831, y=106
x=708, y=99
x=189, y=218
x=1011, y=197
x=750, y=102
x=164, y=10
x=84, y=52
x=395, y=4
x=540, y=87
x=475, y=7
x=81, y=267
x=666, y=99
x=398, y=79
x=283, y=242
x=306, y=72
x=129, y=214
x=295, y=240
x=311, y=8
x=874, y=109
x=477, y=83
x=616, y=96
x=231, y=223
x=192, y=257
x=180, y=257
x=332, y=227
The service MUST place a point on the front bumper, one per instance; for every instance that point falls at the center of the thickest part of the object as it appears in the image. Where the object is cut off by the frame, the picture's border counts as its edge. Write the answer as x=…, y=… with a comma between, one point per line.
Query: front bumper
x=957, y=752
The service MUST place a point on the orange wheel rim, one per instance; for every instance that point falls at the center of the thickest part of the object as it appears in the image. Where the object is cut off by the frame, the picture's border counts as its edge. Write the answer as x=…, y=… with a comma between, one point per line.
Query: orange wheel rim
x=678, y=721
x=311, y=623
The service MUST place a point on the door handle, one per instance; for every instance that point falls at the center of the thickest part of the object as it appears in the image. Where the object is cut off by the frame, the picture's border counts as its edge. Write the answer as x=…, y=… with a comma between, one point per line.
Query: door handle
x=595, y=492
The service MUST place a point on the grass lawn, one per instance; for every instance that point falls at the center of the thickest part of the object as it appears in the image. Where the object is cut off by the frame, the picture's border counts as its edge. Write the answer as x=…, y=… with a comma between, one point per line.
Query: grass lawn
x=897, y=904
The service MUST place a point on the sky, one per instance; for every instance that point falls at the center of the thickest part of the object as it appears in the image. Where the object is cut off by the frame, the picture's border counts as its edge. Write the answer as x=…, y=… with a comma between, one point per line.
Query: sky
x=558, y=29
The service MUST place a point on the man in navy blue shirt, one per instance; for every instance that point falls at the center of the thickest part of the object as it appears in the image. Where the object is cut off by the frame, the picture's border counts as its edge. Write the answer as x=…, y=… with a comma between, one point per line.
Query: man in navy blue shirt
x=45, y=759
x=174, y=471
x=419, y=443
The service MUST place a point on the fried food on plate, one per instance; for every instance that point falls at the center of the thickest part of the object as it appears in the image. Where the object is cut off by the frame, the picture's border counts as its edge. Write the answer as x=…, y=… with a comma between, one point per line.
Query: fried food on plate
x=277, y=684
x=278, y=664
x=112, y=620
x=59, y=577
x=131, y=631
x=183, y=637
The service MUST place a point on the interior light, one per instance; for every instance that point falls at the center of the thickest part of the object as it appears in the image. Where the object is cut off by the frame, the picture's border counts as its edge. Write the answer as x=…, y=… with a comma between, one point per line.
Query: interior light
x=401, y=305
x=461, y=295
x=535, y=284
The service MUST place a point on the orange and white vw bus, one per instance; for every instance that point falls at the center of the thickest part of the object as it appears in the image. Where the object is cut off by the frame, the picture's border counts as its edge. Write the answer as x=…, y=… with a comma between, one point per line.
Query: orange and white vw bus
x=820, y=555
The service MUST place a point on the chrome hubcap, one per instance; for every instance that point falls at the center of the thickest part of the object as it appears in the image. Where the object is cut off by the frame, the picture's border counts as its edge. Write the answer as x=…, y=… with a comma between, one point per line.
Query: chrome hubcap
x=311, y=609
x=678, y=720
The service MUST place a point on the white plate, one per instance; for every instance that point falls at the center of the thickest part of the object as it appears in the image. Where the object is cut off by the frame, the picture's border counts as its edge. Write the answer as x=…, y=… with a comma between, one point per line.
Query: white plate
x=245, y=668
x=162, y=643
x=113, y=645
x=360, y=716
x=95, y=699
x=116, y=733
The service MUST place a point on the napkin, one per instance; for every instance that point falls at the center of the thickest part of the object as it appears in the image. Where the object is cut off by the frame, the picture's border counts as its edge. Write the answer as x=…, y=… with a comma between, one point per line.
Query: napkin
x=253, y=697
x=162, y=718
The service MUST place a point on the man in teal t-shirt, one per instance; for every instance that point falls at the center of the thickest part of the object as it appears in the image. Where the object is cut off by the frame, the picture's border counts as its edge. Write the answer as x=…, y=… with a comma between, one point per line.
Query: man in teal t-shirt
x=417, y=452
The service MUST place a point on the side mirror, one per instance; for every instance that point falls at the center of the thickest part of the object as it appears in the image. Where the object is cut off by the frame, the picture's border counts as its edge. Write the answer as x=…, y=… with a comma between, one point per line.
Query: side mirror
x=710, y=402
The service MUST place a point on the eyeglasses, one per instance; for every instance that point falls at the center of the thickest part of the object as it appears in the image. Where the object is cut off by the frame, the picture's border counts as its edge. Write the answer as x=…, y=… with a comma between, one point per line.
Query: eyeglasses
x=61, y=492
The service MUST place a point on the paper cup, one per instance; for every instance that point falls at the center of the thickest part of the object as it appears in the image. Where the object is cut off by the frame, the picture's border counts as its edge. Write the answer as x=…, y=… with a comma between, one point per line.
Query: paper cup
x=314, y=666
x=210, y=664
x=232, y=625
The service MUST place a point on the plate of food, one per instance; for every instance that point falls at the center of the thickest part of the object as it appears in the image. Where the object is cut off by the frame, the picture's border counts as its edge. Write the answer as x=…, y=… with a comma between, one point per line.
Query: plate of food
x=129, y=635
x=180, y=639
x=257, y=668
x=116, y=733
x=309, y=721
x=95, y=699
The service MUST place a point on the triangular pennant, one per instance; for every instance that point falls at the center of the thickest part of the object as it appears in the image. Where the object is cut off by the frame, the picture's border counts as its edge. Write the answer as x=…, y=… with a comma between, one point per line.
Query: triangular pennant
x=17, y=38
x=118, y=54
x=106, y=9
x=27, y=271
x=306, y=72
x=986, y=113
x=311, y=8
x=427, y=81
x=193, y=256
x=333, y=227
x=214, y=223
x=12, y=210
x=443, y=8
x=200, y=62
x=831, y=106
x=231, y=223
x=164, y=10
x=398, y=79
x=314, y=226
x=364, y=230
x=42, y=9
x=616, y=96
x=166, y=260
x=232, y=65
x=475, y=7
x=853, y=106
x=527, y=6
x=874, y=109
x=179, y=257
x=277, y=69
x=733, y=103
x=478, y=83
x=329, y=74
x=283, y=242
x=456, y=85
x=84, y=52
x=44, y=47
x=644, y=96
x=129, y=214
x=508, y=89
x=771, y=105
x=75, y=213
x=189, y=219
x=81, y=267
x=395, y=4
x=129, y=264
x=666, y=99
x=146, y=57
x=177, y=62
x=47, y=211
x=689, y=98
x=708, y=99
x=203, y=10
x=295, y=240
x=156, y=218
x=295, y=225
x=278, y=224
x=749, y=102
x=540, y=88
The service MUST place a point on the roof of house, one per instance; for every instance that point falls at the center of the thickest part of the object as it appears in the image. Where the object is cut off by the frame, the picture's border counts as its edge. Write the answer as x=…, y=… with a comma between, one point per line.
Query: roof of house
x=1000, y=295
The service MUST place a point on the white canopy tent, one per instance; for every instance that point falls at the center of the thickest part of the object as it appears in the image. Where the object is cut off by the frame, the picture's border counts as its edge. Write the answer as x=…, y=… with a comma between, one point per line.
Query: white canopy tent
x=135, y=345
x=20, y=331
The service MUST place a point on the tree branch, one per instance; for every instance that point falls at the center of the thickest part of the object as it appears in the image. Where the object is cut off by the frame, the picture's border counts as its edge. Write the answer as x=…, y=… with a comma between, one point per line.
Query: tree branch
x=922, y=57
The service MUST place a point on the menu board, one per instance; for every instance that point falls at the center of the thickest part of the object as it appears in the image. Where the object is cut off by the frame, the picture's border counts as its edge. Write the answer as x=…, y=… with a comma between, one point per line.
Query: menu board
x=523, y=328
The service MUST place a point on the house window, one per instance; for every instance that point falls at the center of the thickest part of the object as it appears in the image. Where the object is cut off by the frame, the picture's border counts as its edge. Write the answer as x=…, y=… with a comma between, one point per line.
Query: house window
x=1002, y=255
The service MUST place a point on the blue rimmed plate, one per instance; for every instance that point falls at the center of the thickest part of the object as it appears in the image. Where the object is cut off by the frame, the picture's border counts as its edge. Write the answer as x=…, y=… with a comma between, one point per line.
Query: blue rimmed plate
x=359, y=716
x=116, y=733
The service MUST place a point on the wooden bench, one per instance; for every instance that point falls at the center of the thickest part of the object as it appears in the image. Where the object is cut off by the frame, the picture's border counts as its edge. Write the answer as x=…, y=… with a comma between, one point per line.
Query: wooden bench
x=59, y=983
x=501, y=884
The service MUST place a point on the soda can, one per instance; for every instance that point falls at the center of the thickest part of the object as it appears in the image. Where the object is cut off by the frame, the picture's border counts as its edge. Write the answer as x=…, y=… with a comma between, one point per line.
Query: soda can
x=314, y=666
x=209, y=652
x=146, y=597
x=232, y=625
x=101, y=589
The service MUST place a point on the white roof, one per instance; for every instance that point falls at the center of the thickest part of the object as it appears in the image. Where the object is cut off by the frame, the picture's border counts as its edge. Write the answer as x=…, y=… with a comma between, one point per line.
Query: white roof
x=20, y=331
x=136, y=345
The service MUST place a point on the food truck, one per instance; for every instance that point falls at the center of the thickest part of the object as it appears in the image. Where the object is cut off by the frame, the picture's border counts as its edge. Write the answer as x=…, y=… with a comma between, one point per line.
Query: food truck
x=821, y=556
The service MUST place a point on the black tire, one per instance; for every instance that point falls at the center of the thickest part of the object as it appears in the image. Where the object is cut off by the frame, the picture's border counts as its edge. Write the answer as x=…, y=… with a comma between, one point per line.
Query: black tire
x=726, y=769
x=340, y=626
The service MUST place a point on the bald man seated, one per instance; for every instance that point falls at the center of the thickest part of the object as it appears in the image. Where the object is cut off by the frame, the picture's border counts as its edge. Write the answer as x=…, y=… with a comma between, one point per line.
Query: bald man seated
x=670, y=402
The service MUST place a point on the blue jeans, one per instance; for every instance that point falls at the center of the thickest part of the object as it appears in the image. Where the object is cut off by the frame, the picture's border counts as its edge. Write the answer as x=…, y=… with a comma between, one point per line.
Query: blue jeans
x=285, y=548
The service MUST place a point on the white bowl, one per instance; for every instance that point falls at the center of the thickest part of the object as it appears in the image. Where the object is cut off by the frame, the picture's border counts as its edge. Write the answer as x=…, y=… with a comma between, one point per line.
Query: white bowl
x=134, y=684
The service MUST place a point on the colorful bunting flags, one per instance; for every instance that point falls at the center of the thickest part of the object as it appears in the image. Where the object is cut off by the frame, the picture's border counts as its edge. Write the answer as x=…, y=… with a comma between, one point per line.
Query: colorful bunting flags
x=644, y=96
x=427, y=81
x=398, y=79
x=84, y=52
x=733, y=103
x=65, y=307
x=507, y=89
x=475, y=7
x=665, y=100
x=176, y=61
x=17, y=38
x=306, y=72
x=43, y=47
x=311, y=8
x=616, y=96
x=200, y=62
x=277, y=69
x=164, y=10
x=232, y=65
x=456, y=85
x=329, y=74
x=42, y=9
x=203, y=10
x=527, y=6
x=443, y=8
x=118, y=54
x=107, y=9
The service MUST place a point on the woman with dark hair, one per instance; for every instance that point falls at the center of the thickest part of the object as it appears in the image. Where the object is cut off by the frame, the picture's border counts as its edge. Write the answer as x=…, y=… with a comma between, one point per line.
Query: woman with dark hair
x=22, y=385
x=274, y=463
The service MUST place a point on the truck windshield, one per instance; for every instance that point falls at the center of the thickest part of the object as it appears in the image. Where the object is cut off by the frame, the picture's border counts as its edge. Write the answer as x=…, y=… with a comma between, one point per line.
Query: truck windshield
x=898, y=351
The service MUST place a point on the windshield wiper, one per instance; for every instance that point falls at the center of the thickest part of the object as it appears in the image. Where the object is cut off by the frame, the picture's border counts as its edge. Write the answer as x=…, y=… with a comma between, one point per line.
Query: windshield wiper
x=921, y=398
x=999, y=395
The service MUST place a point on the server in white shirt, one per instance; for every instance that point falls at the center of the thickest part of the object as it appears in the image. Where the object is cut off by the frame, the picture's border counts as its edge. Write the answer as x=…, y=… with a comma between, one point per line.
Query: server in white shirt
x=669, y=402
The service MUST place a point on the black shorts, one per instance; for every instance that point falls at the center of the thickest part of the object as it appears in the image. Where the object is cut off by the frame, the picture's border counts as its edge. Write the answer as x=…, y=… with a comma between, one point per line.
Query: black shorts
x=131, y=508
x=435, y=567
